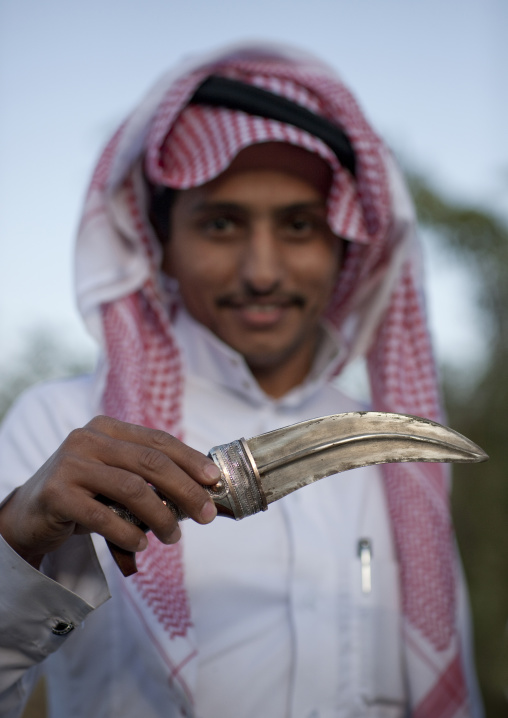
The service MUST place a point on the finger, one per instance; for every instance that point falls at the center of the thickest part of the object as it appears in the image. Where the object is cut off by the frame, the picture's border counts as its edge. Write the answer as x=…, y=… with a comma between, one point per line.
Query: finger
x=110, y=485
x=194, y=463
x=152, y=466
x=73, y=478
x=76, y=512
x=171, y=481
x=91, y=516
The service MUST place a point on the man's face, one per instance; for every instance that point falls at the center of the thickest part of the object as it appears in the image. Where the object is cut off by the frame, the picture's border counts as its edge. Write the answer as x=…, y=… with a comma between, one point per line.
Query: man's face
x=255, y=259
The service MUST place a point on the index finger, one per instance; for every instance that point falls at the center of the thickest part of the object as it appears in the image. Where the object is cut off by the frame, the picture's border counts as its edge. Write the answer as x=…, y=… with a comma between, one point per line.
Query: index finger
x=201, y=468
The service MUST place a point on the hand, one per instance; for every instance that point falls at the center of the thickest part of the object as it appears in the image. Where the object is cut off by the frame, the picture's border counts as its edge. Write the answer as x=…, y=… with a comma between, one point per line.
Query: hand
x=110, y=458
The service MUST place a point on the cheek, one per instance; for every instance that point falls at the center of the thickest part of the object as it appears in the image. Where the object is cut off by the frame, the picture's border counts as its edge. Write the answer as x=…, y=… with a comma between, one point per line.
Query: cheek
x=201, y=271
x=316, y=271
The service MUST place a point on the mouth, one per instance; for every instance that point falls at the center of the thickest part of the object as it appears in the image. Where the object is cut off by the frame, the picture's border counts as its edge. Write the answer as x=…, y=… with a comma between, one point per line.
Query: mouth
x=261, y=312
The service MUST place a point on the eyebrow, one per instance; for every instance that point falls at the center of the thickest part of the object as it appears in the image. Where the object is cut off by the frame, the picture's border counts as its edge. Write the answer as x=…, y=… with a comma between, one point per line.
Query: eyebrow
x=208, y=206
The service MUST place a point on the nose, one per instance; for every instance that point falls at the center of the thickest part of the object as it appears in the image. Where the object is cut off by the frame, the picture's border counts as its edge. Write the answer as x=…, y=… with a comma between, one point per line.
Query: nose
x=262, y=263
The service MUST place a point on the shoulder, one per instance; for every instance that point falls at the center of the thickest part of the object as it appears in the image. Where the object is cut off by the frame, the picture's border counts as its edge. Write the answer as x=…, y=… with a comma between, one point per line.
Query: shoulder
x=66, y=402
x=39, y=421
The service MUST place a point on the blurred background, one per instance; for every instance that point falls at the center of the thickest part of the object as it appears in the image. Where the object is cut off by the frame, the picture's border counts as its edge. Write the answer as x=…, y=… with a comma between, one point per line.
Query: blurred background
x=431, y=77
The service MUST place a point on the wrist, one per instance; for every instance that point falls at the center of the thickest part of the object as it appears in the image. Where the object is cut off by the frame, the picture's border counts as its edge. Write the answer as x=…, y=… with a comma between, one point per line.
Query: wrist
x=7, y=522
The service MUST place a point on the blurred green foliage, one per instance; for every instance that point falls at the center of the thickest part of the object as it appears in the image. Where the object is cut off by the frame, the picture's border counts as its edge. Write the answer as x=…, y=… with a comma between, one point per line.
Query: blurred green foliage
x=480, y=493
x=42, y=356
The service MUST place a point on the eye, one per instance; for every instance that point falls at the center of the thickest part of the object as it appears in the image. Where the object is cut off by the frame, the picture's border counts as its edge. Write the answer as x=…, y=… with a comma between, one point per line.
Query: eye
x=219, y=224
x=302, y=224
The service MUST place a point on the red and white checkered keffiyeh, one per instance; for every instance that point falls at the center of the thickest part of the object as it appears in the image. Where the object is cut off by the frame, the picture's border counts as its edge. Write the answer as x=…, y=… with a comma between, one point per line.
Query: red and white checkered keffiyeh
x=377, y=310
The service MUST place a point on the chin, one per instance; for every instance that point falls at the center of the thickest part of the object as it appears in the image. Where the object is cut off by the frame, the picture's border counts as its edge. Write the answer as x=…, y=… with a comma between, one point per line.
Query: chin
x=266, y=360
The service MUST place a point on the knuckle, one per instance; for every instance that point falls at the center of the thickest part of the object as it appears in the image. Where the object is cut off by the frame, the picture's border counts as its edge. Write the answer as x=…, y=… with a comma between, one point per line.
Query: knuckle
x=133, y=488
x=100, y=423
x=74, y=437
x=97, y=516
x=161, y=440
x=153, y=461
x=192, y=495
x=192, y=458
x=194, y=462
x=79, y=438
x=56, y=477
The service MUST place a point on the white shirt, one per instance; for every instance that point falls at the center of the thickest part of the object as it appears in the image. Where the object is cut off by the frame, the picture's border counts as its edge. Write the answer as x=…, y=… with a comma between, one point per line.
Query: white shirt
x=284, y=623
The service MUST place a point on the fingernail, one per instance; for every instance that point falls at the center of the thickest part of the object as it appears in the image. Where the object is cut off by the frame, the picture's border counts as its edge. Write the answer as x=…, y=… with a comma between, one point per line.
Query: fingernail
x=212, y=471
x=175, y=536
x=208, y=512
x=143, y=543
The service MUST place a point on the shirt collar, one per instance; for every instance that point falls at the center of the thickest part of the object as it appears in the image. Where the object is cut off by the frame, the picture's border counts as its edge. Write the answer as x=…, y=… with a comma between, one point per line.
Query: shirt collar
x=207, y=357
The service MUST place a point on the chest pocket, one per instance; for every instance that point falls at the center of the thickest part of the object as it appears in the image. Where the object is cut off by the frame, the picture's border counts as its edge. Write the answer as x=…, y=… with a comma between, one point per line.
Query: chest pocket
x=377, y=630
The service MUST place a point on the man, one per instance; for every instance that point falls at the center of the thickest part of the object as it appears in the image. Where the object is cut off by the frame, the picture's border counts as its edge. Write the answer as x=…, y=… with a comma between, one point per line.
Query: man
x=245, y=237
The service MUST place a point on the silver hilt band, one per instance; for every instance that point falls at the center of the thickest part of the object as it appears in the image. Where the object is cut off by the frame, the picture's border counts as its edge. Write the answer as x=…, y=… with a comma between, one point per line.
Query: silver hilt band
x=240, y=477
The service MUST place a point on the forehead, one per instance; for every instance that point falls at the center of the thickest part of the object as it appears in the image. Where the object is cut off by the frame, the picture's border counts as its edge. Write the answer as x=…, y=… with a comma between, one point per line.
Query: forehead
x=285, y=159
x=263, y=177
x=253, y=191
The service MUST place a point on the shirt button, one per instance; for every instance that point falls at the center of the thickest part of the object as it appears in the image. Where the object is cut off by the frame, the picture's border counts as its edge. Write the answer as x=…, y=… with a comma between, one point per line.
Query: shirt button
x=62, y=628
x=313, y=714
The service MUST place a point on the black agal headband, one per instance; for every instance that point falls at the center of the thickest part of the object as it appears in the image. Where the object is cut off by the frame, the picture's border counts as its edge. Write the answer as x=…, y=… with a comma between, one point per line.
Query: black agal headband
x=235, y=95
x=218, y=91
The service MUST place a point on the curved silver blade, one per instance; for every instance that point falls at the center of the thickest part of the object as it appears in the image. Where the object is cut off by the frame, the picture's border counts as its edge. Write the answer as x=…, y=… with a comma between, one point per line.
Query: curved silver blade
x=289, y=458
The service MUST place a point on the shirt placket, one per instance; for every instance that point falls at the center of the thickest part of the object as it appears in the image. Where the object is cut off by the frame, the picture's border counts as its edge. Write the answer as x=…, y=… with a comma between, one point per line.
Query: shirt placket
x=313, y=610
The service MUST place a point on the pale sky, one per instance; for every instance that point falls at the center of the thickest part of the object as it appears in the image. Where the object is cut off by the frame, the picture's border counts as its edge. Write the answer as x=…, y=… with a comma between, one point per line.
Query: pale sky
x=431, y=75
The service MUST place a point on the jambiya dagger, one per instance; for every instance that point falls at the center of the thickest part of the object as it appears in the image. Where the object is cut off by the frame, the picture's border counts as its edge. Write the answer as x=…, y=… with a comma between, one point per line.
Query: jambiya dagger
x=258, y=471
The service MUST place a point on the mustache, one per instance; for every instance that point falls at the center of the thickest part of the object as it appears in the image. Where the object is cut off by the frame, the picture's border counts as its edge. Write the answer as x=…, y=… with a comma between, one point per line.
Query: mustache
x=244, y=297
